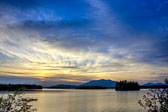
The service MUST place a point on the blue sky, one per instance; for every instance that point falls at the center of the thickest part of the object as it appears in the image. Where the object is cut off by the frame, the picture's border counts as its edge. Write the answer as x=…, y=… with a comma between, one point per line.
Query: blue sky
x=74, y=41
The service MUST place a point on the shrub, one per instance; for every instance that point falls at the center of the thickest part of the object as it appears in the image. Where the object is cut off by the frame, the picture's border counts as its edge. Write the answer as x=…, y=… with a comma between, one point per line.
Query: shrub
x=156, y=100
x=15, y=102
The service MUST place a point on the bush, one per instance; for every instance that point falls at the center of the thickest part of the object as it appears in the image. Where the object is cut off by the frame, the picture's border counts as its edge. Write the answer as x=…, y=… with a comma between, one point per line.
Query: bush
x=156, y=100
x=15, y=102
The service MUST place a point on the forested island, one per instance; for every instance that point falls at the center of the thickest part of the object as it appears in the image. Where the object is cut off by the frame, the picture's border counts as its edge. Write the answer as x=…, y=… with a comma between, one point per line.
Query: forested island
x=127, y=86
x=14, y=87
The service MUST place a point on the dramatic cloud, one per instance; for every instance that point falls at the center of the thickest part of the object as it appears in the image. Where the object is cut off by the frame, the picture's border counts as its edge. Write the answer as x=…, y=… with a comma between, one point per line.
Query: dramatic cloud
x=75, y=41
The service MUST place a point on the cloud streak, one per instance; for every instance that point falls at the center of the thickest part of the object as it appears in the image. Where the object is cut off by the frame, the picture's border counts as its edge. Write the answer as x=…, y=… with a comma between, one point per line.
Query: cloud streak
x=101, y=40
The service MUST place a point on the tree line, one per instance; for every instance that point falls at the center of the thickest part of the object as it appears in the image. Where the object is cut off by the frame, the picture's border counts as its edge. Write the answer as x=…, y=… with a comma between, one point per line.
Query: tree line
x=14, y=87
x=127, y=85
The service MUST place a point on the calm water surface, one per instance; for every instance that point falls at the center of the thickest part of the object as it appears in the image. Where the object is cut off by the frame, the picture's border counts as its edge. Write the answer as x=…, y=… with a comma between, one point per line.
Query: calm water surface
x=69, y=100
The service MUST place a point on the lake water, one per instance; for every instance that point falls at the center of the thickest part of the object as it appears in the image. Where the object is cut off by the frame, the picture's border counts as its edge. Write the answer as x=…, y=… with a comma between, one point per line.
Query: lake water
x=74, y=100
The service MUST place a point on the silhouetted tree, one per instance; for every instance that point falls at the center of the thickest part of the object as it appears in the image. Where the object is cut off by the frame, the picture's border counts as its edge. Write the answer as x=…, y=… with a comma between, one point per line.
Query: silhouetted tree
x=126, y=85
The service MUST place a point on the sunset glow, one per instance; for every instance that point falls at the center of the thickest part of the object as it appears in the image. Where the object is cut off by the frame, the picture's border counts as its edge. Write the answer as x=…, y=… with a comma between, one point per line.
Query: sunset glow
x=71, y=42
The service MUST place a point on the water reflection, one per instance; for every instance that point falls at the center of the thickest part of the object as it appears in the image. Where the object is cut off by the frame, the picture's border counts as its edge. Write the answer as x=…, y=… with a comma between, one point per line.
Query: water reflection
x=87, y=101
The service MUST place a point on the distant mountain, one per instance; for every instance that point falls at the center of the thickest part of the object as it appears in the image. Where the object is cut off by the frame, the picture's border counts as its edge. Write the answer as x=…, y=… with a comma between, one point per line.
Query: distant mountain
x=154, y=84
x=94, y=83
x=63, y=86
x=101, y=83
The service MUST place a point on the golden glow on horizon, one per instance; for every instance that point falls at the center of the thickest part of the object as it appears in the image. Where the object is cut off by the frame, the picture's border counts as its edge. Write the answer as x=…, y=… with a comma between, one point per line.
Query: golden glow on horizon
x=42, y=59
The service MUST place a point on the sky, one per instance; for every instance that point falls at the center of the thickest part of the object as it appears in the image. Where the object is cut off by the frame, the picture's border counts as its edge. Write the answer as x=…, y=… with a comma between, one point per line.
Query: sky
x=53, y=42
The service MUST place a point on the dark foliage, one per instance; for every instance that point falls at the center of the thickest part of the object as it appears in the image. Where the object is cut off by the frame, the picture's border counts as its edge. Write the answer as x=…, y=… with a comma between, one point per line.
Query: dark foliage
x=156, y=100
x=14, y=87
x=16, y=102
x=127, y=86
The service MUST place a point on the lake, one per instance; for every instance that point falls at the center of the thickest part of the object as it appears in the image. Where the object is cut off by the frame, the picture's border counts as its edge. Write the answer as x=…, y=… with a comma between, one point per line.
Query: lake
x=74, y=100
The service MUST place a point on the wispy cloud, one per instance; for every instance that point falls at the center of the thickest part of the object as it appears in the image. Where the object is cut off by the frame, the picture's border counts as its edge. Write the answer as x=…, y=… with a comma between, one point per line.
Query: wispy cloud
x=100, y=40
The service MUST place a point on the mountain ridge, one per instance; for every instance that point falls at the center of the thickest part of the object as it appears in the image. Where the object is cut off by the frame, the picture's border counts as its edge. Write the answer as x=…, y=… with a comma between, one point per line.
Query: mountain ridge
x=153, y=84
x=101, y=83
x=106, y=83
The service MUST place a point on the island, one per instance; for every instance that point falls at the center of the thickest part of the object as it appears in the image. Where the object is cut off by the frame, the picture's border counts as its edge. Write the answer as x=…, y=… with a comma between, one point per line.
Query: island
x=127, y=86
x=14, y=87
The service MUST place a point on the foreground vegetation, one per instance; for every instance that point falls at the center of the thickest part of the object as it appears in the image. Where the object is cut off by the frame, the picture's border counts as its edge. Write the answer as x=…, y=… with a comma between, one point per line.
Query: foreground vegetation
x=156, y=100
x=16, y=102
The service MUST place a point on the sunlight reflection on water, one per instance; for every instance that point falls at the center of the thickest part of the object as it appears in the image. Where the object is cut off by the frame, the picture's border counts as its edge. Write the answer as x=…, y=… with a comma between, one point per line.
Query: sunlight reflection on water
x=73, y=100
